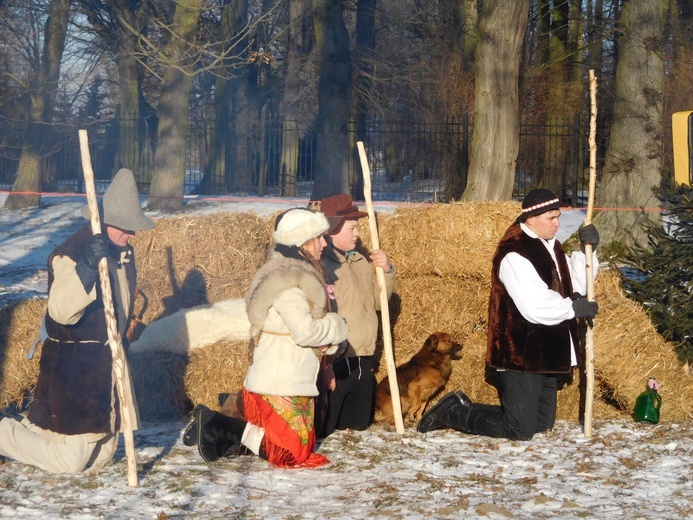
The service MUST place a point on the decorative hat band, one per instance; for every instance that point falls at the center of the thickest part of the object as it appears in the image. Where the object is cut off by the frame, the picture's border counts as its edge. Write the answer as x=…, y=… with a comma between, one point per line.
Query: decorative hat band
x=540, y=205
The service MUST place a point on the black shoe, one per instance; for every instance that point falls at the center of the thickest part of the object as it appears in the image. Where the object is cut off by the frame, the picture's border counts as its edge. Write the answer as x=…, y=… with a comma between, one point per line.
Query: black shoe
x=434, y=419
x=218, y=435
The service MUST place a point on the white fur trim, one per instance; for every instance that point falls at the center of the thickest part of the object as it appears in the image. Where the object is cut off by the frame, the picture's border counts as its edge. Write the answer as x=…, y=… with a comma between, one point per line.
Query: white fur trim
x=196, y=327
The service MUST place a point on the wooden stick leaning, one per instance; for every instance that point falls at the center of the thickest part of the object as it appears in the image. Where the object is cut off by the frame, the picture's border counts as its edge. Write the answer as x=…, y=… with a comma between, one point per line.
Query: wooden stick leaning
x=384, y=309
x=114, y=339
x=589, y=338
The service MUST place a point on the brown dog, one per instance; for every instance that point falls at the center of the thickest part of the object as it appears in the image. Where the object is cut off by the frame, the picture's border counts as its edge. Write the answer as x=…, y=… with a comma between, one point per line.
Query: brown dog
x=418, y=379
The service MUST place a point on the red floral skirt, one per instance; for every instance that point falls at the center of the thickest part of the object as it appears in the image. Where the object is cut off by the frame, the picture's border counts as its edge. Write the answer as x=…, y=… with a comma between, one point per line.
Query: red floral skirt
x=289, y=424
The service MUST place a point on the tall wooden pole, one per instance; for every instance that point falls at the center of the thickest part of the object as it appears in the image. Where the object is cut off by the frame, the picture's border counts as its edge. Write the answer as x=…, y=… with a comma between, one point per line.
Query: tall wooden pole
x=382, y=291
x=589, y=338
x=114, y=339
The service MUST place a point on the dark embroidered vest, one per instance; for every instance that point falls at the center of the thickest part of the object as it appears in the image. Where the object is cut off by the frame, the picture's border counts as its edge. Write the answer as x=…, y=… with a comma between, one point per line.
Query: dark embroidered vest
x=75, y=392
x=513, y=342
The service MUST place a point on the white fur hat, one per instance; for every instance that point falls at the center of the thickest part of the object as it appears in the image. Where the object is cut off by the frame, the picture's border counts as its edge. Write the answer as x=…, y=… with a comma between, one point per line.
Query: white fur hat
x=120, y=204
x=298, y=226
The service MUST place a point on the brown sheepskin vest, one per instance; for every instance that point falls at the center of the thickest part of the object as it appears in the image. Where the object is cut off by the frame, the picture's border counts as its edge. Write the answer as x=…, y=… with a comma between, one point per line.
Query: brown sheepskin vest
x=513, y=342
x=75, y=391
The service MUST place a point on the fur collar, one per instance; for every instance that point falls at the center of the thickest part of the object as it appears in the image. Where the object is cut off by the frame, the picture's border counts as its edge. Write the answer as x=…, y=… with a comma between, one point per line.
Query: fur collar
x=276, y=276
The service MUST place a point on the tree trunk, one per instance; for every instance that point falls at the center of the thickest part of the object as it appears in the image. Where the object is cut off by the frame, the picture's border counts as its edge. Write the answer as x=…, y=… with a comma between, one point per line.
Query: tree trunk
x=334, y=91
x=243, y=113
x=495, y=141
x=173, y=109
x=634, y=157
x=471, y=22
x=27, y=185
x=363, y=56
x=133, y=145
x=217, y=167
x=290, y=138
x=556, y=19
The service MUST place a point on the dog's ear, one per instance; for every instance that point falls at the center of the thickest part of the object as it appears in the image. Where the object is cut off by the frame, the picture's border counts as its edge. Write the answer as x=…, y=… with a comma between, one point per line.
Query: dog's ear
x=431, y=342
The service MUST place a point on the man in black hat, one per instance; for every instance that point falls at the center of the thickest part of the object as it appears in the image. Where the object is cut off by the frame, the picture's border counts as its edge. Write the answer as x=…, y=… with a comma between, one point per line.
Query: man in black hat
x=74, y=415
x=536, y=298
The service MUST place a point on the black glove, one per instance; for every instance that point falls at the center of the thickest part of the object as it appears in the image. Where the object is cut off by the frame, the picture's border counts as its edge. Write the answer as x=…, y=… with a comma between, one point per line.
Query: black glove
x=585, y=309
x=588, y=235
x=88, y=266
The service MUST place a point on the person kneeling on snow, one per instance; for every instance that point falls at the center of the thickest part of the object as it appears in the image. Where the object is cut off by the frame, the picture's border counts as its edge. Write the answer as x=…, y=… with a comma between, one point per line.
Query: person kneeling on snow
x=532, y=328
x=291, y=329
x=74, y=414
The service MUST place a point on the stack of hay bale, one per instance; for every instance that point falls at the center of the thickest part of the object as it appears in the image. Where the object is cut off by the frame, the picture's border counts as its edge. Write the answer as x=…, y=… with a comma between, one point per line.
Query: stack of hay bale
x=443, y=256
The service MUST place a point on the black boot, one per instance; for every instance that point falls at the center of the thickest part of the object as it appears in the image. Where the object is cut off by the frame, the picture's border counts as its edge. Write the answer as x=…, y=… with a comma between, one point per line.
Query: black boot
x=487, y=420
x=218, y=435
x=450, y=412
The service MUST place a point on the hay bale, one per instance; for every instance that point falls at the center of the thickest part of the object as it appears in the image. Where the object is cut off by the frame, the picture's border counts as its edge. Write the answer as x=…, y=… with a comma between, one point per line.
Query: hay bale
x=443, y=256
x=214, y=370
x=19, y=327
x=159, y=381
x=628, y=350
x=447, y=240
x=189, y=261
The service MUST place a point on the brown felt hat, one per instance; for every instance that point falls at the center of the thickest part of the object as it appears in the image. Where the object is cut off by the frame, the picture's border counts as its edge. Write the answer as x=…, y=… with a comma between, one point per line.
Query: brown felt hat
x=339, y=208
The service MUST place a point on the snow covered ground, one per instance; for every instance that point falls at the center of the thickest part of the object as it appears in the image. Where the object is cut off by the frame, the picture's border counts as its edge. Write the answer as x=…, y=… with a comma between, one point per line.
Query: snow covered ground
x=625, y=471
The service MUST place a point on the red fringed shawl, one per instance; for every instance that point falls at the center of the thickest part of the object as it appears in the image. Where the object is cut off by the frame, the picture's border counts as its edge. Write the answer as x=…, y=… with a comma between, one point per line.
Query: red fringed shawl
x=289, y=428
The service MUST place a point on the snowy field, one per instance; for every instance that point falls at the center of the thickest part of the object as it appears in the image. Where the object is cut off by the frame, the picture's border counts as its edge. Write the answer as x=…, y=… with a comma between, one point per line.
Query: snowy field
x=625, y=471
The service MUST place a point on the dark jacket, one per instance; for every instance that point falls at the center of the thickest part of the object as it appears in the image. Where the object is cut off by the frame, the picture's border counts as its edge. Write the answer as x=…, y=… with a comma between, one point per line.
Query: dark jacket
x=513, y=342
x=75, y=392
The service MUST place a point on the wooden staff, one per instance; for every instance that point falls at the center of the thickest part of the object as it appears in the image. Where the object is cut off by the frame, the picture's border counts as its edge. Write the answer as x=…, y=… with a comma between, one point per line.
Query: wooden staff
x=589, y=338
x=384, y=309
x=114, y=339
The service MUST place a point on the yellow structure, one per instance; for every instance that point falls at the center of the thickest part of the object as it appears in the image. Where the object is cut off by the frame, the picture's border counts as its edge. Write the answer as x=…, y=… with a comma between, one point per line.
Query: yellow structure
x=682, y=136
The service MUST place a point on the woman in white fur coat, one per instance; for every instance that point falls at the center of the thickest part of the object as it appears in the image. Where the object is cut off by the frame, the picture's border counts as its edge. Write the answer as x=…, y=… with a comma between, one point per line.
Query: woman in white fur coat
x=291, y=328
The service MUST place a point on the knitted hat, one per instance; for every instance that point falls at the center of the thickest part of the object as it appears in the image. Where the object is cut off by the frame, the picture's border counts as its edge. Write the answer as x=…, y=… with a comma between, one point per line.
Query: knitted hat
x=339, y=208
x=120, y=205
x=297, y=226
x=537, y=202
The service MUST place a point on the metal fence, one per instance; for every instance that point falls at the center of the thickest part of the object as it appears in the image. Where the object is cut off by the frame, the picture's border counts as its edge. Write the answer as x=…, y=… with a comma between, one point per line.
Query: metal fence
x=409, y=161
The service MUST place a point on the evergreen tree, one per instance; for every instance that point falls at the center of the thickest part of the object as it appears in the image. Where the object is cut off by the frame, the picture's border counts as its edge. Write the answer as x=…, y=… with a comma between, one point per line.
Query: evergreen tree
x=659, y=274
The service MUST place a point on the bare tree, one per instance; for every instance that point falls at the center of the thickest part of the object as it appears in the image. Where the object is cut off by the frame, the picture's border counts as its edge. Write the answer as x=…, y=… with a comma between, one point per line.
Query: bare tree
x=364, y=60
x=168, y=181
x=288, y=163
x=495, y=142
x=42, y=89
x=120, y=24
x=471, y=21
x=334, y=91
x=234, y=38
x=634, y=156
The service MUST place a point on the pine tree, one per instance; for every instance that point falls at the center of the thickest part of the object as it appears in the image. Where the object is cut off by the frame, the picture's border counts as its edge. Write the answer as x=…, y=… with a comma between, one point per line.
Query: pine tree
x=658, y=274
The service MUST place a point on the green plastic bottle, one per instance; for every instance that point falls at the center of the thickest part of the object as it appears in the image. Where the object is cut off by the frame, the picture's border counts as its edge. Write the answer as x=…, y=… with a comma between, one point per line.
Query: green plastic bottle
x=648, y=403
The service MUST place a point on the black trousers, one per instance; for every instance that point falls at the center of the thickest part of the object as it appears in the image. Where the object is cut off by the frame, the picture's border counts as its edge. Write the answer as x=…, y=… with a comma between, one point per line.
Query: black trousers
x=528, y=406
x=351, y=404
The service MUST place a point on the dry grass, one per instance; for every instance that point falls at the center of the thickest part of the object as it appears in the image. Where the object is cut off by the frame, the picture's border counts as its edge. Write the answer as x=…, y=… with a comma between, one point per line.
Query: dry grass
x=443, y=256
